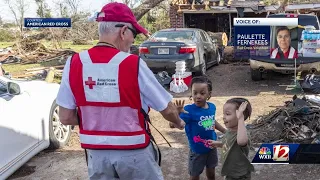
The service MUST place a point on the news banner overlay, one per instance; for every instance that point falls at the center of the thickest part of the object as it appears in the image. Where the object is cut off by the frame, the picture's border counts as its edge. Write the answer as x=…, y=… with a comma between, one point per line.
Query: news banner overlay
x=275, y=153
x=287, y=154
x=280, y=153
x=253, y=35
x=46, y=22
x=253, y=41
x=265, y=21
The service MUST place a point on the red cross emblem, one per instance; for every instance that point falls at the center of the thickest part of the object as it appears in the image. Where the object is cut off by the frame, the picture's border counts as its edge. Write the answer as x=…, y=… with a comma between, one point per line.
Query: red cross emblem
x=90, y=83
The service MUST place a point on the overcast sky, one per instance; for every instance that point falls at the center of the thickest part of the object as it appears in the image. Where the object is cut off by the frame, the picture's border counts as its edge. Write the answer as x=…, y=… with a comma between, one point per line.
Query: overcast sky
x=86, y=5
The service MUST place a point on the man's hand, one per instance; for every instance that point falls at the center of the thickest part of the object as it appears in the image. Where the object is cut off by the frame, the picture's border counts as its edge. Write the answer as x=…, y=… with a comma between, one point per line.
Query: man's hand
x=68, y=116
x=180, y=106
x=179, y=126
x=241, y=109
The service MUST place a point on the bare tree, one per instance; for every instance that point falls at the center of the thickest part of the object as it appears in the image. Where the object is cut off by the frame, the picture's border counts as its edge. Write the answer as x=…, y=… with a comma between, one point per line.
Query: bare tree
x=130, y=3
x=73, y=5
x=68, y=8
x=40, y=10
x=282, y=6
x=18, y=9
x=43, y=10
x=145, y=7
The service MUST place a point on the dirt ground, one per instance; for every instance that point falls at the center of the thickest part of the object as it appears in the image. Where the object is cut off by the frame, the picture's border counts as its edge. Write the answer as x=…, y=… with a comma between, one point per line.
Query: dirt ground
x=228, y=80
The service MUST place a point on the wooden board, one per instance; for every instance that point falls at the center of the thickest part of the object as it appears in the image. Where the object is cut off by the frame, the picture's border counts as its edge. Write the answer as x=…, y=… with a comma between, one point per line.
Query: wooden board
x=221, y=37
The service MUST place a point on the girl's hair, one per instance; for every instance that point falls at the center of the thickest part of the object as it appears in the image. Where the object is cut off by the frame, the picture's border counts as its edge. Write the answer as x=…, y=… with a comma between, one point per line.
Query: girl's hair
x=202, y=79
x=238, y=101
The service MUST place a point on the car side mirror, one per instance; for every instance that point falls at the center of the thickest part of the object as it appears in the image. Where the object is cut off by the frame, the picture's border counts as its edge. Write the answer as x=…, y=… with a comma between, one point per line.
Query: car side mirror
x=13, y=88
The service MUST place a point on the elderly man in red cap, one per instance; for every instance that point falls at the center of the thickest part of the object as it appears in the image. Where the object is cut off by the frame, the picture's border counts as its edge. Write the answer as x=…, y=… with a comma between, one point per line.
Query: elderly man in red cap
x=108, y=93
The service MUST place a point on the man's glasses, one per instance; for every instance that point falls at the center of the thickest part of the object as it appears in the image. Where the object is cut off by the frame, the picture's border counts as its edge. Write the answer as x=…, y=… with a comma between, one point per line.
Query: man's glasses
x=134, y=32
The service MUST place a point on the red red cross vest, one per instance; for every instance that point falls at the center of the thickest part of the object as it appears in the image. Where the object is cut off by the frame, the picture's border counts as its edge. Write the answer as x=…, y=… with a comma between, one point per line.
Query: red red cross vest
x=104, y=82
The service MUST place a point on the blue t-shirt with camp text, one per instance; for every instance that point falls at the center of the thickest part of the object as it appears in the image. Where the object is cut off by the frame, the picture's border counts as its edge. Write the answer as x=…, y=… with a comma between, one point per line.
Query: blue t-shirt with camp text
x=199, y=122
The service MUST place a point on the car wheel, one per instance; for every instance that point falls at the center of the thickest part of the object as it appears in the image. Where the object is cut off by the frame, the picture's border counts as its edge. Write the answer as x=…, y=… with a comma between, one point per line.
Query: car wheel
x=59, y=134
x=256, y=75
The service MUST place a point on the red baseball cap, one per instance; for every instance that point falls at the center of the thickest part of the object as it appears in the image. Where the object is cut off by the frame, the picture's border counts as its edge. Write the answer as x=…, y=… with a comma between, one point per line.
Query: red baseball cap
x=119, y=12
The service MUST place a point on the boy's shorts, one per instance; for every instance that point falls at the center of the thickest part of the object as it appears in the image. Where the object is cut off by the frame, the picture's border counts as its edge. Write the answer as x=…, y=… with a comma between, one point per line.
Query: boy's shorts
x=197, y=162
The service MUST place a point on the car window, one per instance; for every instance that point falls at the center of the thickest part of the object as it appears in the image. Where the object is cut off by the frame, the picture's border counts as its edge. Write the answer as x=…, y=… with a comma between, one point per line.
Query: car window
x=173, y=35
x=208, y=37
x=198, y=36
x=203, y=37
x=308, y=20
x=3, y=88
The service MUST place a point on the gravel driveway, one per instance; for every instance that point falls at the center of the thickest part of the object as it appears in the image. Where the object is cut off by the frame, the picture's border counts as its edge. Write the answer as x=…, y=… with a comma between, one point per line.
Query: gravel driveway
x=228, y=80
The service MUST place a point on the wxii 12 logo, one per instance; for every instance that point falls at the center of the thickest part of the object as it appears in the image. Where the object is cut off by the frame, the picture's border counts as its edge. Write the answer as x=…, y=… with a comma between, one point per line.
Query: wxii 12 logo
x=281, y=152
x=264, y=153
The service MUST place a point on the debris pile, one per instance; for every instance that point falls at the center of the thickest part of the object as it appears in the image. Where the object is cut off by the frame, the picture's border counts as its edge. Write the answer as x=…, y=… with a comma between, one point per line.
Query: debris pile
x=41, y=72
x=311, y=83
x=298, y=121
x=7, y=56
x=80, y=42
x=31, y=51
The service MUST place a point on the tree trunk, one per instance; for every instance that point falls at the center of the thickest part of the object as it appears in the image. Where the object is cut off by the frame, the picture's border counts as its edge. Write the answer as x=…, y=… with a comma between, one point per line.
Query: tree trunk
x=145, y=7
x=282, y=6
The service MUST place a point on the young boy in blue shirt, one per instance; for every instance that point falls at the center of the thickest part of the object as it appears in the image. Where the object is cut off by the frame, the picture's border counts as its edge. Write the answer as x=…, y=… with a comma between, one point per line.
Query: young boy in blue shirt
x=200, y=128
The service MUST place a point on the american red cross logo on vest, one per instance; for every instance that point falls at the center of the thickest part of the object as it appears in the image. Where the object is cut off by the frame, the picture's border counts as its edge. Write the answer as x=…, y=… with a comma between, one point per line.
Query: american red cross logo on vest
x=90, y=83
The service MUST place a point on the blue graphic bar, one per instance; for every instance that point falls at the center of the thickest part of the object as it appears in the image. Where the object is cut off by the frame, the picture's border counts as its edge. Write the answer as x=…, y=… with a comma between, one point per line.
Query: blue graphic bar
x=288, y=154
x=46, y=22
x=252, y=42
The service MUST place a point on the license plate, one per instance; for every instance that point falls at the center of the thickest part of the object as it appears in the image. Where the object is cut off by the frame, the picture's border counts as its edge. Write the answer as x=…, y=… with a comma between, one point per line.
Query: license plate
x=163, y=51
x=287, y=65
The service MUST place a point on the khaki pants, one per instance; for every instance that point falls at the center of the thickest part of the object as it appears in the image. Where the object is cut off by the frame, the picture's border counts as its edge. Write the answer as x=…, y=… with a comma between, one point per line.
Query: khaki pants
x=137, y=164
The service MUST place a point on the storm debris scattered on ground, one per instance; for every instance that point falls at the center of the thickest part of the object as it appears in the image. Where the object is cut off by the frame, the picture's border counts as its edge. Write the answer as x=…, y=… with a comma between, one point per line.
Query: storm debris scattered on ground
x=41, y=73
x=31, y=51
x=298, y=121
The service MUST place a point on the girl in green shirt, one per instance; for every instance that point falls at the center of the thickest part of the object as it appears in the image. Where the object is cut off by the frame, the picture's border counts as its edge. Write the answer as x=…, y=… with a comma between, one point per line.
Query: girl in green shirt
x=236, y=142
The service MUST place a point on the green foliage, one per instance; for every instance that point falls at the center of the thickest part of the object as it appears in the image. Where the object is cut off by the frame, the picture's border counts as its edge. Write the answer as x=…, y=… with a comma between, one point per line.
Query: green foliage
x=270, y=2
x=9, y=25
x=43, y=10
x=63, y=10
x=6, y=35
x=154, y=21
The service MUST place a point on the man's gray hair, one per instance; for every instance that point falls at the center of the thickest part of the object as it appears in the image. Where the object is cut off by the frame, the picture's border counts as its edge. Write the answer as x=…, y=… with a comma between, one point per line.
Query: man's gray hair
x=109, y=27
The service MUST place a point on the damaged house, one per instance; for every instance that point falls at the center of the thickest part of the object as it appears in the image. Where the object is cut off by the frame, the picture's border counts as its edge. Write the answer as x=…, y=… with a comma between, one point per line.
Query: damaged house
x=217, y=15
